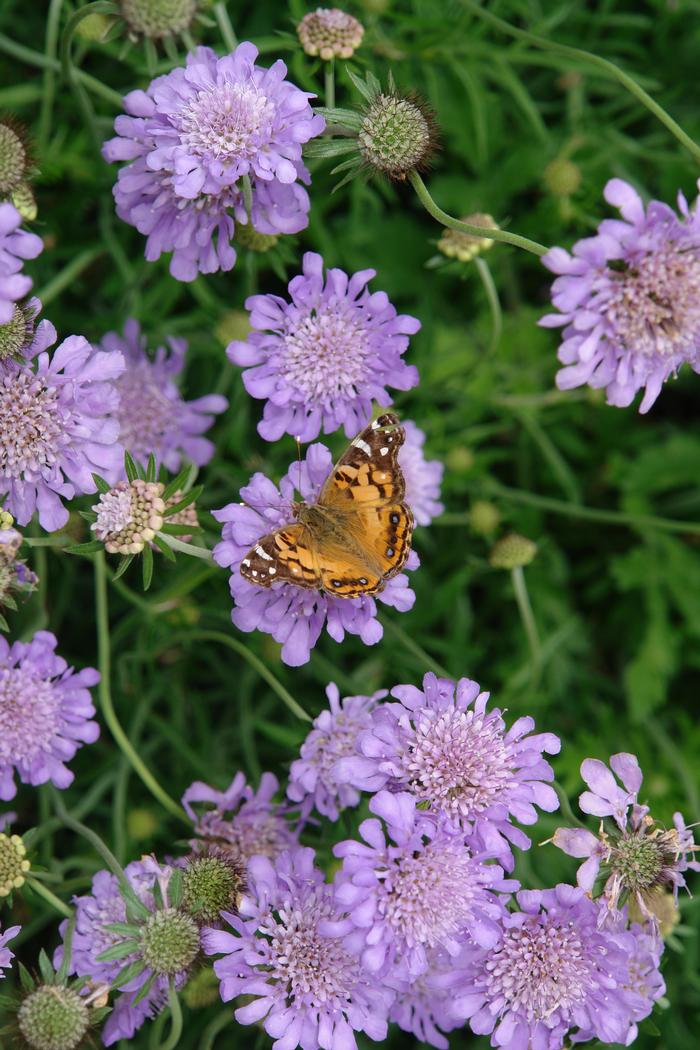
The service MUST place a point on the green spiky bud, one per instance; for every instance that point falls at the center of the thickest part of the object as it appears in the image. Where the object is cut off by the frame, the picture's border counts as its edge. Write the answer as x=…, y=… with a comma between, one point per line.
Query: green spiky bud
x=234, y=324
x=13, y=863
x=211, y=884
x=562, y=177
x=249, y=237
x=158, y=18
x=24, y=201
x=17, y=334
x=202, y=989
x=53, y=1017
x=512, y=552
x=484, y=517
x=397, y=136
x=169, y=941
x=14, y=156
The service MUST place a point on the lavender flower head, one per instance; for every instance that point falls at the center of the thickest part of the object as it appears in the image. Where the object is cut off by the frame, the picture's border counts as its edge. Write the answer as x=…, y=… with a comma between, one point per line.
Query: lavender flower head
x=304, y=985
x=6, y=956
x=319, y=360
x=153, y=415
x=454, y=756
x=554, y=971
x=636, y=855
x=45, y=713
x=94, y=912
x=56, y=428
x=433, y=1003
x=423, y=476
x=243, y=820
x=312, y=779
x=629, y=299
x=414, y=886
x=295, y=616
x=16, y=245
x=192, y=138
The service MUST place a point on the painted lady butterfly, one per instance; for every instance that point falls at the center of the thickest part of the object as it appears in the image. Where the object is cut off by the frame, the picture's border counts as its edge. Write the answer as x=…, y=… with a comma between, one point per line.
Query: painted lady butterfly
x=357, y=536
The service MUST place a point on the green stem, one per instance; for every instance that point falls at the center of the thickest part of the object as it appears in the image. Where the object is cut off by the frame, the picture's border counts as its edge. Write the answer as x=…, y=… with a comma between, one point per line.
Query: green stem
x=329, y=83
x=187, y=548
x=527, y=616
x=65, y=968
x=49, y=87
x=465, y=227
x=255, y=663
x=175, y=1020
x=105, y=694
x=51, y=898
x=602, y=63
x=67, y=275
x=225, y=27
x=57, y=539
x=42, y=61
x=69, y=70
x=213, y=1029
x=69, y=821
x=493, y=301
x=565, y=805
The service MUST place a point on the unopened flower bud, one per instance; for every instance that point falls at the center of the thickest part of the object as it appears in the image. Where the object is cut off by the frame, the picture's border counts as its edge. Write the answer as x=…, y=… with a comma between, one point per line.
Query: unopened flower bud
x=249, y=237
x=398, y=135
x=129, y=515
x=13, y=863
x=14, y=157
x=484, y=517
x=53, y=1017
x=464, y=246
x=512, y=552
x=169, y=941
x=562, y=177
x=330, y=33
x=212, y=883
x=17, y=335
x=158, y=18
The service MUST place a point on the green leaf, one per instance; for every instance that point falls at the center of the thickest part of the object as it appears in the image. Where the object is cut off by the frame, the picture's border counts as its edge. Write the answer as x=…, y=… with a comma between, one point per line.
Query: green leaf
x=134, y=904
x=128, y=973
x=118, y=951
x=330, y=148
x=178, y=530
x=48, y=974
x=88, y=515
x=164, y=548
x=91, y=547
x=132, y=471
x=129, y=929
x=363, y=86
x=143, y=990
x=25, y=978
x=178, y=482
x=123, y=565
x=101, y=484
x=191, y=496
x=175, y=888
x=151, y=472
x=4, y=625
x=147, y=567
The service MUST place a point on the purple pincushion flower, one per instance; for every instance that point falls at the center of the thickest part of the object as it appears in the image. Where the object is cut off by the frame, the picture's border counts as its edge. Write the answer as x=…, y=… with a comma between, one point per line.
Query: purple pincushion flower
x=312, y=780
x=16, y=245
x=193, y=137
x=295, y=616
x=56, y=428
x=247, y=821
x=45, y=713
x=432, y=1003
x=637, y=856
x=413, y=886
x=423, y=476
x=319, y=360
x=6, y=956
x=630, y=299
x=93, y=913
x=453, y=755
x=554, y=971
x=303, y=984
x=153, y=415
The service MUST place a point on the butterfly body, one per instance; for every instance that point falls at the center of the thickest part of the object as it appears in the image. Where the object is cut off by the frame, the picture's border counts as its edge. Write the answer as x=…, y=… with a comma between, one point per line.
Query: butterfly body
x=358, y=534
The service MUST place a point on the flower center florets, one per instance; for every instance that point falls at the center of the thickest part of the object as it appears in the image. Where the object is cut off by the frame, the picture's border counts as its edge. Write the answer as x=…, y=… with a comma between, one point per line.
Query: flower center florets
x=638, y=859
x=31, y=424
x=325, y=354
x=29, y=715
x=129, y=515
x=227, y=122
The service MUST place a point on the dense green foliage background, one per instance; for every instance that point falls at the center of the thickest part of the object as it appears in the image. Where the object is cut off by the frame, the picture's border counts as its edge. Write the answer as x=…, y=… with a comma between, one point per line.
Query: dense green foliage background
x=617, y=603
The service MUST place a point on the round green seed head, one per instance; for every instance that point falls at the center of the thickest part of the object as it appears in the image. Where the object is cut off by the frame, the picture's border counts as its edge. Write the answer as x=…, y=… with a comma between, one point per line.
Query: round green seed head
x=249, y=237
x=397, y=136
x=562, y=178
x=211, y=884
x=484, y=517
x=202, y=989
x=13, y=158
x=158, y=18
x=512, y=552
x=169, y=941
x=639, y=861
x=13, y=859
x=16, y=335
x=53, y=1018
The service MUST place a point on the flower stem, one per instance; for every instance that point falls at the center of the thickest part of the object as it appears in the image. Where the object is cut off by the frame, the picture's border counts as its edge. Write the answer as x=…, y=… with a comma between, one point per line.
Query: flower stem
x=602, y=63
x=565, y=805
x=51, y=898
x=493, y=301
x=92, y=837
x=42, y=61
x=49, y=87
x=329, y=83
x=187, y=548
x=67, y=275
x=175, y=1020
x=105, y=694
x=225, y=27
x=526, y=615
x=465, y=227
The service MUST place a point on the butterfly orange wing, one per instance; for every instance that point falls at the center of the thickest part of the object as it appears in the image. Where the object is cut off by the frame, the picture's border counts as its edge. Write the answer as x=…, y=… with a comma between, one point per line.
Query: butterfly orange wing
x=287, y=555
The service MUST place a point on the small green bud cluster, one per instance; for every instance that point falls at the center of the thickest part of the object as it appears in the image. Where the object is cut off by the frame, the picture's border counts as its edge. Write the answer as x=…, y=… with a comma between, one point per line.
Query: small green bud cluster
x=330, y=33
x=464, y=246
x=13, y=863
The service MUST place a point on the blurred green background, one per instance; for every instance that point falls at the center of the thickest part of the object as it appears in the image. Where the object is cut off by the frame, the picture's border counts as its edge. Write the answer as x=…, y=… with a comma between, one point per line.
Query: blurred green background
x=617, y=605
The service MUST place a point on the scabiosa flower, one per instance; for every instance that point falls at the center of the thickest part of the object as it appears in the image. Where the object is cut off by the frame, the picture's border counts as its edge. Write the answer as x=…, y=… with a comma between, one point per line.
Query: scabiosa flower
x=330, y=33
x=192, y=137
x=414, y=886
x=320, y=359
x=294, y=616
x=152, y=413
x=312, y=780
x=16, y=245
x=636, y=855
x=45, y=713
x=458, y=759
x=244, y=821
x=129, y=515
x=464, y=246
x=432, y=1003
x=629, y=299
x=422, y=476
x=55, y=425
x=554, y=971
x=303, y=984
x=6, y=956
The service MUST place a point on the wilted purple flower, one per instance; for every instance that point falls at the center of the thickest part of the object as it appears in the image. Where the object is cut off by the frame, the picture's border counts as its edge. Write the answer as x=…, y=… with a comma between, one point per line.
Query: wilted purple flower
x=245, y=820
x=304, y=985
x=320, y=360
x=312, y=779
x=554, y=971
x=428, y=1005
x=443, y=746
x=635, y=854
x=16, y=245
x=630, y=299
x=6, y=956
x=153, y=415
x=422, y=476
x=55, y=425
x=192, y=137
x=414, y=887
x=45, y=713
x=93, y=913
x=294, y=616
